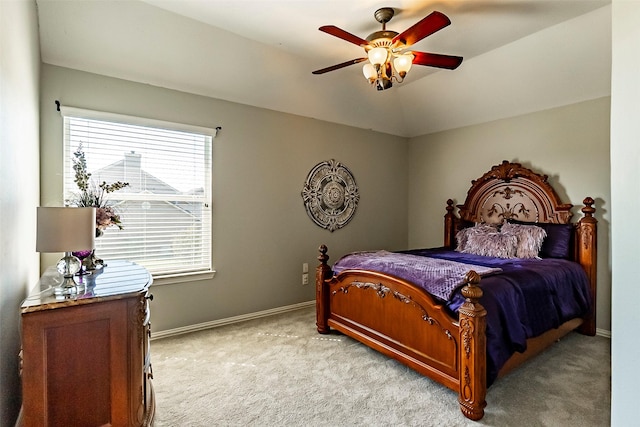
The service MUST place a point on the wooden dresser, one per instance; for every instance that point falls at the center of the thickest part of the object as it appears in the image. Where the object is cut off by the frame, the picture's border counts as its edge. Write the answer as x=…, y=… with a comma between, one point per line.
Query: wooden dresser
x=85, y=359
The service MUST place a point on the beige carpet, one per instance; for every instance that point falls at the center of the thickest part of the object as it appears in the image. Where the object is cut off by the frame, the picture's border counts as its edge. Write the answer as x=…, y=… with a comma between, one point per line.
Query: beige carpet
x=279, y=371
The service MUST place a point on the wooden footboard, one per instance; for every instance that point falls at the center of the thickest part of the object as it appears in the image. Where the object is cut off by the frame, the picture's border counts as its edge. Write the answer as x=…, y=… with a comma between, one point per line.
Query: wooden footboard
x=402, y=321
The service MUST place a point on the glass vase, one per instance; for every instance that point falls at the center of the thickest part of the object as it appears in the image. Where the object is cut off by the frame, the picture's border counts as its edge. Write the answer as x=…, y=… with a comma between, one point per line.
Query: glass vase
x=82, y=255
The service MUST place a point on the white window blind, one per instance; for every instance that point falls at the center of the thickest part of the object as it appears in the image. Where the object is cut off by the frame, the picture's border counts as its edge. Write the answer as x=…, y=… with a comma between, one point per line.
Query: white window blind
x=165, y=211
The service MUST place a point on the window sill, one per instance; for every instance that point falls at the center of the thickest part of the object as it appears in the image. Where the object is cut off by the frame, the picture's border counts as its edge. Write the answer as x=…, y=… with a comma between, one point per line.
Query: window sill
x=182, y=278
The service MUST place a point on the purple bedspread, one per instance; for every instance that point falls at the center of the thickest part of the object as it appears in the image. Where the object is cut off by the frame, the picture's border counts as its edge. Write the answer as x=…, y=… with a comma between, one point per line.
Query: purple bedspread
x=439, y=277
x=529, y=297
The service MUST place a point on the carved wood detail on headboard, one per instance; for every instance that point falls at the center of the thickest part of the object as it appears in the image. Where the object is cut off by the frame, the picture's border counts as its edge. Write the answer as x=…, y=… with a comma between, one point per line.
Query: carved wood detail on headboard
x=511, y=191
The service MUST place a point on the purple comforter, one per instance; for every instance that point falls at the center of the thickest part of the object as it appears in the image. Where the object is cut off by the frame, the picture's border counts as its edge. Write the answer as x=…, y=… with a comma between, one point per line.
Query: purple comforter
x=440, y=277
x=529, y=297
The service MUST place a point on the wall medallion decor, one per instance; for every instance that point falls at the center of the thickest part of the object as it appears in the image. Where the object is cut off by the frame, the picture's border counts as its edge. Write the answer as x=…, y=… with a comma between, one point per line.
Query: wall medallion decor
x=330, y=195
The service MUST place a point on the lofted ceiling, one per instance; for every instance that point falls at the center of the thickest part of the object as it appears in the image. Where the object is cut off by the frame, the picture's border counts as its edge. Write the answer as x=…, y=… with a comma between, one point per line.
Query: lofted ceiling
x=262, y=53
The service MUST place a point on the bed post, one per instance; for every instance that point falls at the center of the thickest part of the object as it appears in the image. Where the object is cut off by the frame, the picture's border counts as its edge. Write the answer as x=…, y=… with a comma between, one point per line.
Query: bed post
x=323, y=272
x=449, y=226
x=473, y=353
x=586, y=251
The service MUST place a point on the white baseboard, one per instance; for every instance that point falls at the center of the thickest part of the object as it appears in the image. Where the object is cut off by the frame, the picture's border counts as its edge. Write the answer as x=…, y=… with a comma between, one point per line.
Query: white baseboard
x=259, y=314
x=229, y=320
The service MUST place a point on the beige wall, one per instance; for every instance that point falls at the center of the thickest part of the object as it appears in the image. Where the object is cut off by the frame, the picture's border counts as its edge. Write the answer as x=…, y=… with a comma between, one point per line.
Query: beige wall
x=569, y=144
x=261, y=232
x=19, y=171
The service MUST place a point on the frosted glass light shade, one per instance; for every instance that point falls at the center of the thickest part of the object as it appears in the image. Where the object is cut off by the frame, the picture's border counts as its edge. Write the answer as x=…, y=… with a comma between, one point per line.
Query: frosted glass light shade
x=402, y=64
x=377, y=55
x=369, y=71
x=65, y=229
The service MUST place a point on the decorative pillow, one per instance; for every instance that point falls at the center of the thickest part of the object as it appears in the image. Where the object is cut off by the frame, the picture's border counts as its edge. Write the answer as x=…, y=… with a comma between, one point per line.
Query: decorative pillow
x=462, y=236
x=495, y=244
x=557, y=244
x=530, y=238
x=486, y=240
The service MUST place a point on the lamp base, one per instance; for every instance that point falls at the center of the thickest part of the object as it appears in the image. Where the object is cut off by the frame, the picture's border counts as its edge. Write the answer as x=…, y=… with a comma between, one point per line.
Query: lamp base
x=67, y=266
x=67, y=288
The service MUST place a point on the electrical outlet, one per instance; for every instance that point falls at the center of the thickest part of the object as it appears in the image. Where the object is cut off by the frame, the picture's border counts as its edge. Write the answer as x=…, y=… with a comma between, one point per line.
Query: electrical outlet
x=305, y=267
x=305, y=279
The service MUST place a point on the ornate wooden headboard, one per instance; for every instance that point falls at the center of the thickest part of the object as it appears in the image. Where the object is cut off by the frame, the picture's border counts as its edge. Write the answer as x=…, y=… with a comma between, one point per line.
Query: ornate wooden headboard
x=511, y=191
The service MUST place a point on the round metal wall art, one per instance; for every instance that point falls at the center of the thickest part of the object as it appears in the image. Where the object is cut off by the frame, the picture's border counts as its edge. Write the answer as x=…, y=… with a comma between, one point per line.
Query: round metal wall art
x=330, y=195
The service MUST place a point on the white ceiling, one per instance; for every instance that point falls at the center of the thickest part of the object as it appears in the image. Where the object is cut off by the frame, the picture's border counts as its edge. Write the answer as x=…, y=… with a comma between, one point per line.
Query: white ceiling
x=262, y=52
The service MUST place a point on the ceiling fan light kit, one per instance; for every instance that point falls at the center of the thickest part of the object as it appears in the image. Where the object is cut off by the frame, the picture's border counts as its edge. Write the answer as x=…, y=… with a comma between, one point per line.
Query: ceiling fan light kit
x=386, y=58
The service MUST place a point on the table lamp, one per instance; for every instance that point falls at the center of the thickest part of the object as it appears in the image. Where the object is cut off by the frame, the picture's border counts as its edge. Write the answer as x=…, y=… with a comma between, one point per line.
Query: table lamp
x=66, y=230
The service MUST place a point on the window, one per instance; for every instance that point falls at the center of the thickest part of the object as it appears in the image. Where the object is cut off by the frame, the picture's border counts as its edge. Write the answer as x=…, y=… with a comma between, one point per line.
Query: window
x=165, y=211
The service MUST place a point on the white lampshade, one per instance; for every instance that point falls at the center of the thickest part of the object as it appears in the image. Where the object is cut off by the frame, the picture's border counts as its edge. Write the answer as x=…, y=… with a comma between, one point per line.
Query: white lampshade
x=402, y=63
x=65, y=229
x=369, y=71
x=377, y=55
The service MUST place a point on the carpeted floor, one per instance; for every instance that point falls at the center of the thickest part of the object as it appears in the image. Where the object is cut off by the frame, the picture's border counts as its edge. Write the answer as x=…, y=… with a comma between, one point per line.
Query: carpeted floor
x=278, y=371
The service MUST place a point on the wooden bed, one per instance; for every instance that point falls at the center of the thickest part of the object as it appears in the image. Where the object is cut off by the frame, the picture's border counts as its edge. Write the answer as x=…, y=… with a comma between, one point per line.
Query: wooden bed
x=403, y=321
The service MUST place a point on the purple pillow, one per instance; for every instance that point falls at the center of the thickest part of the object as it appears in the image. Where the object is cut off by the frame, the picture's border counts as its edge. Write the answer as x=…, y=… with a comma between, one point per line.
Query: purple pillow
x=557, y=244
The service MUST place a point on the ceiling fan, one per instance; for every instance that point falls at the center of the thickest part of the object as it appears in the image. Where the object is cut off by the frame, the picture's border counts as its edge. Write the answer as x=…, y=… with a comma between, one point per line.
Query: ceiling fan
x=386, y=47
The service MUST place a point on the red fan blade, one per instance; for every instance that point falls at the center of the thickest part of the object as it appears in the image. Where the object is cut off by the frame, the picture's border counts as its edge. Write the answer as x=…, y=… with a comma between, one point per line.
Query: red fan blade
x=425, y=27
x=437, y=60
x=338, y=66
x=344, y=35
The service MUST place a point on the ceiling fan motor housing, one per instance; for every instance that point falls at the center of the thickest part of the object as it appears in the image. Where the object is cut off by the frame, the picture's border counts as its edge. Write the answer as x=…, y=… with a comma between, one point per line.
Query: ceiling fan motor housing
x=380, y=39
